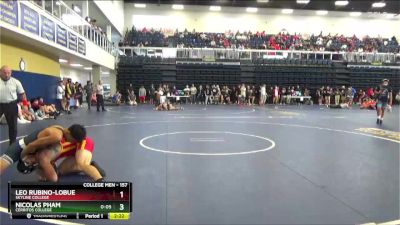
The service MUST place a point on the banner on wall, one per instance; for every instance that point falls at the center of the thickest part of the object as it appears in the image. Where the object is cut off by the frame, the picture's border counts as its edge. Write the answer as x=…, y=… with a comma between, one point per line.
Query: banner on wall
x=61, y=36
x=48, y=29
x=9, y=12
x=72, y=41
x=29, y=19
x=81, y=46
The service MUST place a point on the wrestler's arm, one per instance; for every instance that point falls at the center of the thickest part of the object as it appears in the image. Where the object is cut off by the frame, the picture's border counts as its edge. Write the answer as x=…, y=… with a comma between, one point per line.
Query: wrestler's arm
x=48, y=139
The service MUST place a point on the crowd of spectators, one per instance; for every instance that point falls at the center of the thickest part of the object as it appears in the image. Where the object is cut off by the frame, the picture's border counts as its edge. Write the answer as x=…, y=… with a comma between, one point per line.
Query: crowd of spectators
x=69, y=95
x=36, y=109
x=259, y=40
x=96, y=28
x=253, y=95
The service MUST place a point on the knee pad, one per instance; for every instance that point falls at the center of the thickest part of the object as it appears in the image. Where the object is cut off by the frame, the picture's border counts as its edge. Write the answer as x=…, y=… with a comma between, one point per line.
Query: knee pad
x=13, y=152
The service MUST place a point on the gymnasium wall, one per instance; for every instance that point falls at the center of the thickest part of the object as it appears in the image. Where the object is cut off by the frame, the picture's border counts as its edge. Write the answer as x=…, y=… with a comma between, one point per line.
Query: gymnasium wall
x=81, y=76
x=114, y=11
x=270, y=20
x=42, y=69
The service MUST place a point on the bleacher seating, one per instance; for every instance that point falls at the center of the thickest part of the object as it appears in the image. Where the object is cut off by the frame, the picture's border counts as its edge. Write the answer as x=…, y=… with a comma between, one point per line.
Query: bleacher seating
x=370, y=77
x=311, y=73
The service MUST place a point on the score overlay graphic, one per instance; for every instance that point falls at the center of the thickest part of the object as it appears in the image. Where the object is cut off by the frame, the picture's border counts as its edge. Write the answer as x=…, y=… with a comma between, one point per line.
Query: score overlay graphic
x=103, y=200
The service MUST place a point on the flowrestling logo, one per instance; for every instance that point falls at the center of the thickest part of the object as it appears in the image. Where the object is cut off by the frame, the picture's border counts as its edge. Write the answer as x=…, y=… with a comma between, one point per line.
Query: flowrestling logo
x=381, y=133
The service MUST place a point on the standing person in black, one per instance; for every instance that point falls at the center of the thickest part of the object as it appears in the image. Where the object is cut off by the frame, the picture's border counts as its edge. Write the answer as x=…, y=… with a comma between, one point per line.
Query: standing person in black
x=233, y=95
x=228, y=95
x=215, y=95
x=237, y=94
x=270, y=94
x=248, y=95
x=325, y=95
x=79, y=94
x=384, y=99
x=343, y=94
x=283, y=96
x=152, y=92
x=10, y=89
x=252, y=95
x=208, y=94
x=89, y=92
x=257, y=94
x=200, y=95
x=222, y=97
x=321, y=95
x=173, y=92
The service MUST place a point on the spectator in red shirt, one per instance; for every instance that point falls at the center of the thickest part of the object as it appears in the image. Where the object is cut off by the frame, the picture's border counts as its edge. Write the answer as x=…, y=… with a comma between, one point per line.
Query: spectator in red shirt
x=370, y=92
x=226, y=43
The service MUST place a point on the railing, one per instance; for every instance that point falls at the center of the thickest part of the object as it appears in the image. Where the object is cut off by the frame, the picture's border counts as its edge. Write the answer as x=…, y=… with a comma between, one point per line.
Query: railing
x=249, y=54
x=72, y=19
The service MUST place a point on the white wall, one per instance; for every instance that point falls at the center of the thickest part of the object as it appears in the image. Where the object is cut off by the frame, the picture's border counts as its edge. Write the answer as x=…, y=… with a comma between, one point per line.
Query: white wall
x=106, y=79
x=82, y=76
x=270, y=20
x=99, y=56
x=114, y=11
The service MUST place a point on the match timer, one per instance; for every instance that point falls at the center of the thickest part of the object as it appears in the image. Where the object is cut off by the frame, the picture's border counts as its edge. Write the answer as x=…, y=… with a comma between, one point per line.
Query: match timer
x=118, y=216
